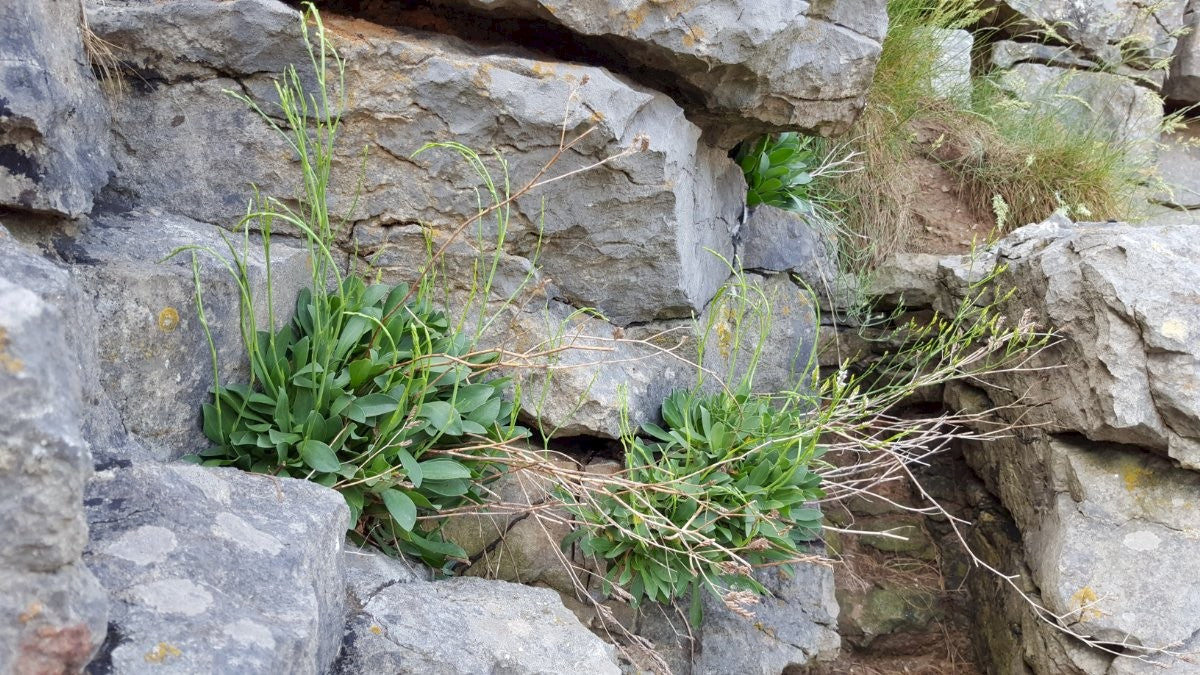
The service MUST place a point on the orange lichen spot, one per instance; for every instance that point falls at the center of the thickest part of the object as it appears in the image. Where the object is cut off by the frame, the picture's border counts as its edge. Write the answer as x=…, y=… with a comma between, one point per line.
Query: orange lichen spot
x=694, y=36
x=168, y=319
x=31, y=612
x=636, y=18
x=483, y=76
x=9, y=362
x=161, y=652
x=542, y=69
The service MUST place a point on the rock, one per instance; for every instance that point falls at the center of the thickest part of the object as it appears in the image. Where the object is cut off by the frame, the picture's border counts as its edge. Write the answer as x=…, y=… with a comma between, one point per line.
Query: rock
x=1007, y=53
x=775, y=240
x=52, y=610
x=53, y=139
x=154, y=363
x=216, y=570
x=368, y=571
x=742, y=69
x=1179, y=168
x=952, y=68
x=907, y=279
x=775, y=330
x=650, y=214
x=794, y=626
x=1097, y=103
x=1112, y=31
x=469, y=625
x=1089, y=513
x=884, y=610
x=1183, y=83
x=1117, y=296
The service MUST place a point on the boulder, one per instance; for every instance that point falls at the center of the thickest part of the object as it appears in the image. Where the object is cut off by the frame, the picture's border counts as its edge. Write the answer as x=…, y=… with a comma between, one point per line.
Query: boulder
x=775, y=240
x=54, y=153
x=628, y=238
x=1119, y=298
x=1112, y=31
x=1008, y=53
x=742, y=69
x=952, y=68
x=52, y=610
x=1114, y=107
x=793, y=627
x=1183, y=82
x=1179, y=168
x=1090, y=515
x=152, y=354
x=470, y=625
x=216, y=570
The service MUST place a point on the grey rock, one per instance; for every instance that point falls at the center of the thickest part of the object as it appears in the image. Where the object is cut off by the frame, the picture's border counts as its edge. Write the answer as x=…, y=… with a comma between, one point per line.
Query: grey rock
x=368, y=571
x=1118, y=297
x=153, y=360
x=909, y=279
x=792, y=627
x=1179, y=168
x=952, y=67
x=1008, y=53
x=1112, y=31
x=53, y=138
x=768, y=66
x=652, y=214
x=776, y=333
x=776, y=240
x=1109, y=104
x=1091, y=515
x=52, y=611
x=216, y=570
x=468, y=625
x=1183, y=83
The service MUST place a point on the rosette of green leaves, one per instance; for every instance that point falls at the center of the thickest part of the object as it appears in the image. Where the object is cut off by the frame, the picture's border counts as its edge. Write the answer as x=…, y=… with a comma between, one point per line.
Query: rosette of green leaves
x=727, y=483
x=778, y=171
x=357, y=393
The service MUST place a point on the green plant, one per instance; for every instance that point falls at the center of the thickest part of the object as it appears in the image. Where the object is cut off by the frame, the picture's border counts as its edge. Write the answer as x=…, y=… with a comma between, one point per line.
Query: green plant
x=733, y=483
x=368, y=382
x=778, y=171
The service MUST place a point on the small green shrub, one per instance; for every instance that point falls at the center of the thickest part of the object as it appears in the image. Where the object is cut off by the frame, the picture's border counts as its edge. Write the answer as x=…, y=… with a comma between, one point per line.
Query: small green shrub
x=370, y=389
x=779, y=171
x=731, y=482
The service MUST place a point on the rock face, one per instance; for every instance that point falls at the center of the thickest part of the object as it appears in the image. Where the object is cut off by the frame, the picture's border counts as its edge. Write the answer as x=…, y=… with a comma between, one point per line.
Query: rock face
x=53, y=125
x=652, y=214
x=745, y=68
x=1183, y=84
x=148, y=338
x=216, y=570
x=1112, y=31
x=1116, y=107
x=468, y=625
x=52, y=611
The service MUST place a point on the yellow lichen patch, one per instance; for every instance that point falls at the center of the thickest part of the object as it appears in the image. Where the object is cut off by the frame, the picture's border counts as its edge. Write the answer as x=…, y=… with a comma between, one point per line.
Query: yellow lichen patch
x=9, y=362
x=542, y=69
x=483, y=76
x=1175, y=329
x=694, y=36
x=1084, y=600
x=1134, y=475
x=31, y=612
x=376, y=630
x=161, y=652
x=168, y=319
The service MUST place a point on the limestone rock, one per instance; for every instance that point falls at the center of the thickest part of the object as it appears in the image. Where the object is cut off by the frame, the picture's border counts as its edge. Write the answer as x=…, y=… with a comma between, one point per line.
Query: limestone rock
x=1179, y=167
x=469, y=625
x=53, y=139
x=1119, y=297
x=1113, y=105
x=1183, y=83
x=1113, y=31
x=952, y=67
x=743, y=68
x=1091, y=515
x=628, y=238
x=52, y=611
x=215, y=570
x=776, y=240
x=794, y=626
x=153, y=355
